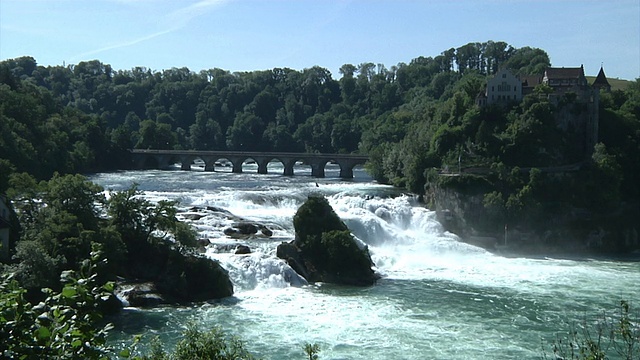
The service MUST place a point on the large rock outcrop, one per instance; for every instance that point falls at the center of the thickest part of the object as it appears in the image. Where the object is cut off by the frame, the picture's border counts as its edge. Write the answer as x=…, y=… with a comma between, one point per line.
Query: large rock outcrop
x=324, y=250
x=561, y=229
x=179, y=275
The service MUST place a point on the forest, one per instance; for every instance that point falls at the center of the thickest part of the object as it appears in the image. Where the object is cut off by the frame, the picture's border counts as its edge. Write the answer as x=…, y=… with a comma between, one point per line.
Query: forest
x=82, y=114
x=418, y=122
x=413, y=119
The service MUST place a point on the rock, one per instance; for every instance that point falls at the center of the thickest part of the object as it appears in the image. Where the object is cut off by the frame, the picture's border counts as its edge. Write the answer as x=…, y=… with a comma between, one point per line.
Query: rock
x=140, y=295
x=193, y=217
x=222, y=211
x=242, y=250
x=203, y=242
x=192, y=278
x=230, y=232
x=292, y=254
x=266, y=231
x=112, y=305
x=179, y=275
x=245, y=228
x=224, y=248
x=324, y=250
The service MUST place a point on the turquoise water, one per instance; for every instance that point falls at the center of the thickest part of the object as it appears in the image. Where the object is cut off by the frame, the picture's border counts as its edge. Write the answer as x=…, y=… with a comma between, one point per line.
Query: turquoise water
x=438, y=298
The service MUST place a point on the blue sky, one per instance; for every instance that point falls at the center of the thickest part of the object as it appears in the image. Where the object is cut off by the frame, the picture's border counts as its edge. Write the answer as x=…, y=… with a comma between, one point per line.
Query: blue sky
x=246, y=35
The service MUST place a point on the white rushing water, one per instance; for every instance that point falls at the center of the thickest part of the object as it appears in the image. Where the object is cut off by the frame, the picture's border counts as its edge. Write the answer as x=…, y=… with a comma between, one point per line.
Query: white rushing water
x=438, y=298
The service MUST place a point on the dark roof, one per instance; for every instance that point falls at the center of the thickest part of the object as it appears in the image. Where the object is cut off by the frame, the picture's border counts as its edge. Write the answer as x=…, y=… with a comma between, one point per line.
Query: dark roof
x=531, y=80
x=601, y=80
x=564, y=73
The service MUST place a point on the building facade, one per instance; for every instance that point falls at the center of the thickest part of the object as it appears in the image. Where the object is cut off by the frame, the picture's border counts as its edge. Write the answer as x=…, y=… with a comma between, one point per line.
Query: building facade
x=568, y=85
x=504, y=87
x=563, y=80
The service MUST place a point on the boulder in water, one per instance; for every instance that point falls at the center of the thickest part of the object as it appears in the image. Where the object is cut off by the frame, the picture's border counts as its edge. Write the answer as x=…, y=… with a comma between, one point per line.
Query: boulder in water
x=243, y=250
x=140, y=295
x=192, y=278
x=178, y=274
x=193, y=216
x=324, y=250
x=245, y=228
x=266, y=231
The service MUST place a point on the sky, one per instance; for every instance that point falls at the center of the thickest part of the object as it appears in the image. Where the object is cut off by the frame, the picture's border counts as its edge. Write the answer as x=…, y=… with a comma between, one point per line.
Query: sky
x=248, y=35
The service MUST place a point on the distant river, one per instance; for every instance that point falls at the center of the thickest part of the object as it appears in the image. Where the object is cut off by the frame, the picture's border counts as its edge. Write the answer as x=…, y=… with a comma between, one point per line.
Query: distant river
x=438, y=298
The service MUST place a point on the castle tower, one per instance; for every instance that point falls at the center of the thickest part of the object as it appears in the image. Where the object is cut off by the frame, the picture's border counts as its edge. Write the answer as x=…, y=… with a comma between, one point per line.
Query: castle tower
x=601, y=82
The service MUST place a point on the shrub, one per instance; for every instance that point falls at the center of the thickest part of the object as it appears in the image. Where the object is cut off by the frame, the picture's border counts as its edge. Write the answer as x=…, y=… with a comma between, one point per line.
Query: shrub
x=66, y=325
x=609, y=337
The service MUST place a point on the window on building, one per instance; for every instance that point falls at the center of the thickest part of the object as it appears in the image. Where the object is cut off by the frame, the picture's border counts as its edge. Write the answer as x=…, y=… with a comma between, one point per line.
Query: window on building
x=504, y=87
x=504, y=76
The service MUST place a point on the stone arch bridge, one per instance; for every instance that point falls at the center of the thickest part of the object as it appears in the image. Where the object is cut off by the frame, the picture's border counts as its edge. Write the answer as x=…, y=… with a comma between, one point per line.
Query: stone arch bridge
x=164, y=158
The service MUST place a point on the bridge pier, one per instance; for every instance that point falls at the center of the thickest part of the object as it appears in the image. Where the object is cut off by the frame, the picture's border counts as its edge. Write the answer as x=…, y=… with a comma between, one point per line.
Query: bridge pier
x=185, y=162
x=346, y=168
x=209, y=163
x=262, y=167
x=288, y=167
x=317, y=168
x=237, y=166
x=346, y=173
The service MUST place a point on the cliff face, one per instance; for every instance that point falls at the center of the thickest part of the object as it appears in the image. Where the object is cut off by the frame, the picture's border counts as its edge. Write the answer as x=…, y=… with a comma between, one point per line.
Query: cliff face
x=463, y=213
x=564, y=229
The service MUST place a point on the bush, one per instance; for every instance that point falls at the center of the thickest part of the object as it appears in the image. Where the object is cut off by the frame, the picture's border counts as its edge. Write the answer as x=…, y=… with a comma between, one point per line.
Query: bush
x=616, y=336
x=66, y=325
x=198, y=344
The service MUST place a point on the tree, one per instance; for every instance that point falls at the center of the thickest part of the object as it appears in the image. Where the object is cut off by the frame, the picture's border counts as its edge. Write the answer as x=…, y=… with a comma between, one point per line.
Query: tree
x=156, y=136
x=246, y=132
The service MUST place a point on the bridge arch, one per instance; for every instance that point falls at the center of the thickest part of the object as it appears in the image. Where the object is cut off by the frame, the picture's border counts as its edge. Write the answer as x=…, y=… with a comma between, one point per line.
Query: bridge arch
x=317, y=162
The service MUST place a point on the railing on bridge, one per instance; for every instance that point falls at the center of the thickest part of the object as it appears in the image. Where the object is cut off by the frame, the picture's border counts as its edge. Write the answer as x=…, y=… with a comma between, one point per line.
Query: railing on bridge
x=164, y=158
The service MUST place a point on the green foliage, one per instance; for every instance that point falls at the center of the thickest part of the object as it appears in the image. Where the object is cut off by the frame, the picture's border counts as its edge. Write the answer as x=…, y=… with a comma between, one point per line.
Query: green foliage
x=314, y=217
x=139, y=220
x=81, y=117
x=611, y=336
x=68, y=324
x=65, y=325
x=6, y=169
x=408, y=118
x=606, y=178
x=61, y=219
x=198, y=344
x=340, y=253
x=206, y=345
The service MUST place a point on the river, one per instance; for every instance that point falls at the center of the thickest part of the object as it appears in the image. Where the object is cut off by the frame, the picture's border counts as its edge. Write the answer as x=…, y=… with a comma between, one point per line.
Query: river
x=438, y=298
